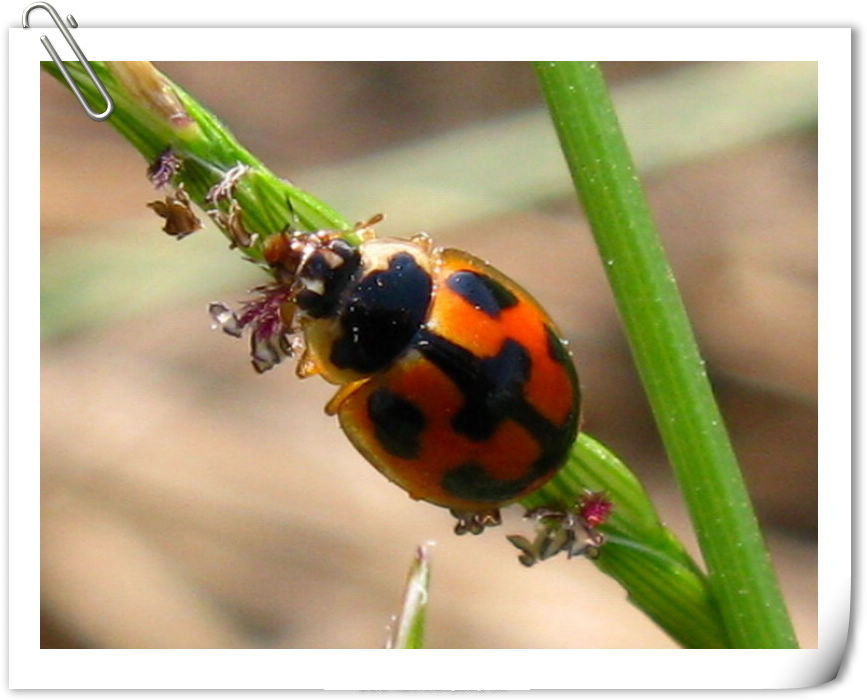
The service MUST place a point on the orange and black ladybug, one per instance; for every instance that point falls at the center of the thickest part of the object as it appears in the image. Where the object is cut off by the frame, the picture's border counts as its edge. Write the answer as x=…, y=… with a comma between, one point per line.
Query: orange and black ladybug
x=454, y=382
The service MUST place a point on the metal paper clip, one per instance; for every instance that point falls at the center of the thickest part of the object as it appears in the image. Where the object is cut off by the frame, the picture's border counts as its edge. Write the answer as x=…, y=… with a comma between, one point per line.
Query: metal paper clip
x=109, y=103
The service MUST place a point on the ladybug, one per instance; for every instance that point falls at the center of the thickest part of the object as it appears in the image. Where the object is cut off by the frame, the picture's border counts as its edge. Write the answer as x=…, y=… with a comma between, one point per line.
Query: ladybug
x=453, y=381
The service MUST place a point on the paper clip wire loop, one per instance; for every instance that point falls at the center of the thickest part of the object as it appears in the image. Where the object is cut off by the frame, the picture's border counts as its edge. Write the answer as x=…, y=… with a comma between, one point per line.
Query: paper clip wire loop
x=109, y=103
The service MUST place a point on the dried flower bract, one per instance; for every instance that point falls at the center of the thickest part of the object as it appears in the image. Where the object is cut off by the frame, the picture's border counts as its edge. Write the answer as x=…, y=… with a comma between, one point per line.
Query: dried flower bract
x=180, y=218
x=571, y=530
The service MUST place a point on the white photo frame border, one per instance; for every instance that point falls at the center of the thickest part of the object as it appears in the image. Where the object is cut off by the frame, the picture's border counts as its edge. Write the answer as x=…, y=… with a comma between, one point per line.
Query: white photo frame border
x=32, y=667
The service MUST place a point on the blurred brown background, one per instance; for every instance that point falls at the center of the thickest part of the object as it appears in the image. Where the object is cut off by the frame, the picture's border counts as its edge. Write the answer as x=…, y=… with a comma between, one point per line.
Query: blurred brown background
x=188, y=502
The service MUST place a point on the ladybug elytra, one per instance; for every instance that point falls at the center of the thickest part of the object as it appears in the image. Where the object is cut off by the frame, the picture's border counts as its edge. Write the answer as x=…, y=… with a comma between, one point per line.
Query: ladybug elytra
x=453, y=381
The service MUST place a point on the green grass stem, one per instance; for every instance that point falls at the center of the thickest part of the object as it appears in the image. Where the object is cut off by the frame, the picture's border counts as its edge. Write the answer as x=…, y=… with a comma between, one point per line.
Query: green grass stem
x=741, y=577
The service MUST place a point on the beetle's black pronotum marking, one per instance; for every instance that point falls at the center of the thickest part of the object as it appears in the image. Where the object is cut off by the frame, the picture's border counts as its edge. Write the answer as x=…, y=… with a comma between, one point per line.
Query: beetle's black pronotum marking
x=493, y=390
x=380, y=314
x=398, y=423
x=483, y=292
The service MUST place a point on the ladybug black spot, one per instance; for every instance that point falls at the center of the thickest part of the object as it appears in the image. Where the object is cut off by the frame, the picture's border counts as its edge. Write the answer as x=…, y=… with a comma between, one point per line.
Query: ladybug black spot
x=556, y=348
x=483, y=292
x=398, y=423
x=492, y=396
x=558, y=352
x=493, y=387
x=472, y=482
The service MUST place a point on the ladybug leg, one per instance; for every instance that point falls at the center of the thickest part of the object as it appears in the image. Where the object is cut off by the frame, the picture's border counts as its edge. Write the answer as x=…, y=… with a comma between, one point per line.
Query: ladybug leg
x=475, y=521
x=365, y=228
x=307, y=366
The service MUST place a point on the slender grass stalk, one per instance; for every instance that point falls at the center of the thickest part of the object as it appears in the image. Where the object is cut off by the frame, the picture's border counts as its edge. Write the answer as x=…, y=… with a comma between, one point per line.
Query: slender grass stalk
x=154, y=115
x=408, y=629
x=665, y=351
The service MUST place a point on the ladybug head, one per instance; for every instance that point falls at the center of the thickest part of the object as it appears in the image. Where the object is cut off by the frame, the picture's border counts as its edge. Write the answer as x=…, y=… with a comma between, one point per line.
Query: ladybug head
x=323, y=276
